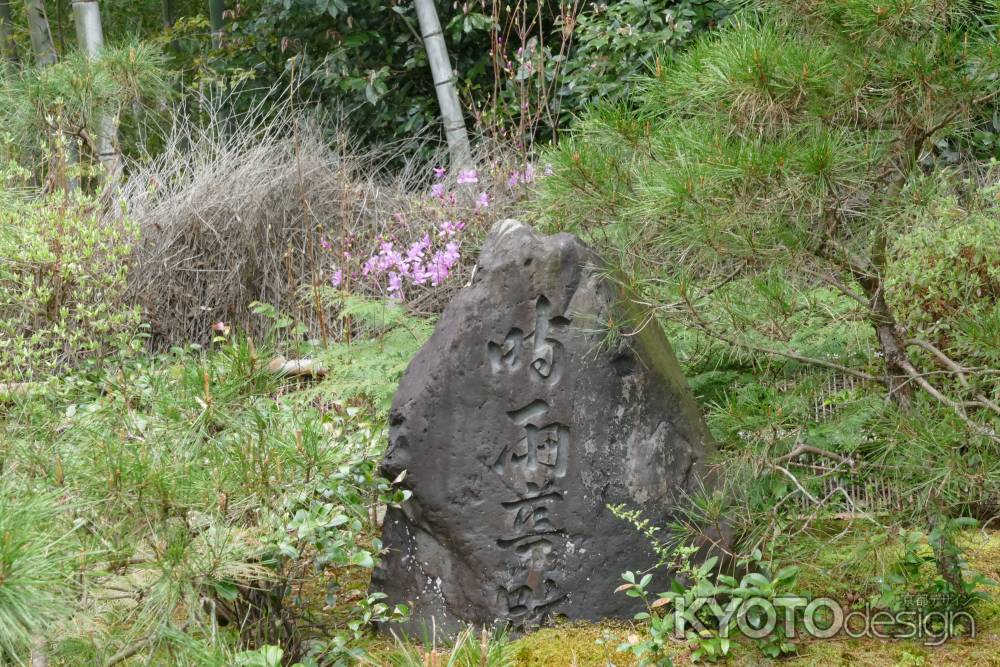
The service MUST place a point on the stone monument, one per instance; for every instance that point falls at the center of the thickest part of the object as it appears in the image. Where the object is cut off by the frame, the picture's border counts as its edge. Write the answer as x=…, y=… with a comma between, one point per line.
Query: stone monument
x=523, y=417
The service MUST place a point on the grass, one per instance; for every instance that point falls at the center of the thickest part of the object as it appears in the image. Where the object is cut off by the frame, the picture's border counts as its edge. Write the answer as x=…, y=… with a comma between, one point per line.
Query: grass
x=161, y=505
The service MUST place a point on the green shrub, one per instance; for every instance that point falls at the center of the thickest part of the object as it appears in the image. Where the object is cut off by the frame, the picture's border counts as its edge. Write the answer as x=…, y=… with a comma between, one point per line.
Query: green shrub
x=946, y=268
x=63, y=274
x=207, y=508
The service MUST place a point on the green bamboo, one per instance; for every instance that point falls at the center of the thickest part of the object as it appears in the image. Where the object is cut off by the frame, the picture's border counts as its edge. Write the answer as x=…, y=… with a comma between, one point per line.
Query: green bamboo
x=90, y=38
x=41, y=34
x=444, y=85
x=168, y=13
x=216, y=18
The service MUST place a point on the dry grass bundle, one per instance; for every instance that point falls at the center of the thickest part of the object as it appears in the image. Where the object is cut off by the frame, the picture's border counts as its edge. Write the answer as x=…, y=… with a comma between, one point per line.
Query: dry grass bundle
x=265, y=211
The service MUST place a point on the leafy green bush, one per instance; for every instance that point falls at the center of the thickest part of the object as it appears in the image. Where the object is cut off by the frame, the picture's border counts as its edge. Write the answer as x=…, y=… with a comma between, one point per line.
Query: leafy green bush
x=682, y=604
x=63, y=277
x=617, y=42
x=524, y=68
x=912, y=583
x=945, y=268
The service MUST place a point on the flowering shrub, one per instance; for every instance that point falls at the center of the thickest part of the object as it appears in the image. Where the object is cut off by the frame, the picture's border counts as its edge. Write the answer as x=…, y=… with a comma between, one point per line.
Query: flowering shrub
x=421, y=250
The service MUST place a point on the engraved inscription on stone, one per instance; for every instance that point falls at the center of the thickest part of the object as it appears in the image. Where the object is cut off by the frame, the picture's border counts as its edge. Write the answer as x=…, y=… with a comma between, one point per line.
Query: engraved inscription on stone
x=540, y=348
x=531, y=468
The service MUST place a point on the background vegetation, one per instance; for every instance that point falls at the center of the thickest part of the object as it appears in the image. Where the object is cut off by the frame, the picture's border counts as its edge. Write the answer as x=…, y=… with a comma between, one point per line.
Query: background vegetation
x=224, y=234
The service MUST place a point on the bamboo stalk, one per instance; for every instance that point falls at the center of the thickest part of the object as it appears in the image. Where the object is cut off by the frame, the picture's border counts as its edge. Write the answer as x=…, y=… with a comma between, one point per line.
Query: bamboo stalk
x=444, y=85
x=217, y=19
x=90, y=37
x=41, y=34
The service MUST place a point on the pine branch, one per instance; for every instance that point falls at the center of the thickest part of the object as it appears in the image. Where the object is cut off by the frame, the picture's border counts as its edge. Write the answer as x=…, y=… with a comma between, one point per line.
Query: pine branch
x=789, y=354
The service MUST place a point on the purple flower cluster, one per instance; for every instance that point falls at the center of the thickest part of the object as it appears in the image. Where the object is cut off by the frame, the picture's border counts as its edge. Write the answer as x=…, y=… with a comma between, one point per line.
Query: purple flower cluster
x=420, y=264
x=428, y=262
x=526, y=177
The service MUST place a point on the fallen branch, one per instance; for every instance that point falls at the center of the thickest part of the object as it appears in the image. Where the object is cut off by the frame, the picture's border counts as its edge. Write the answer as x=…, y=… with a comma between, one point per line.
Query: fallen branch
x=16, y=388
x=296, y=367
x=39, y=652
x=809, y=449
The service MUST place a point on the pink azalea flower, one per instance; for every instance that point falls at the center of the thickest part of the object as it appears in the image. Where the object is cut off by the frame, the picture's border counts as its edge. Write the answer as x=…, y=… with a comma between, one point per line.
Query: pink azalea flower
x=416, y=251
x=438, y=269
x=437, y=190
x=337, y=278
x=419, y=273
x=450, y=255
x=467, y=177
x=323, y=242
x=529, y=173
x=448, y=228
x=395, y=283
x=483, y=201
x=439, y=172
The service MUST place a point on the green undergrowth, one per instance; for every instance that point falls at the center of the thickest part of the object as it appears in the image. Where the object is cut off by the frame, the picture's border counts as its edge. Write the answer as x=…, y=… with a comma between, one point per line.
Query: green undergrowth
x=178, y=505
x=186, y=507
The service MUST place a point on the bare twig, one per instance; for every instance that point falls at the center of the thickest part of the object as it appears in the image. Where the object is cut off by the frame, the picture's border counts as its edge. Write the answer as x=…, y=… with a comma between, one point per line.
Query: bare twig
x=809, y=449
x=955, y=406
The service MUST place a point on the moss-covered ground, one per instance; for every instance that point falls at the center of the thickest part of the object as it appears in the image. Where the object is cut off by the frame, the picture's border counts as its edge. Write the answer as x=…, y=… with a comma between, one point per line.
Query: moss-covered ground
x=585, y=644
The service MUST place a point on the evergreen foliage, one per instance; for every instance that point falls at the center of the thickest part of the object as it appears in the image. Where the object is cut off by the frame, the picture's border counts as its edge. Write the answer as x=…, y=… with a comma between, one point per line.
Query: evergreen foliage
x=808, y=197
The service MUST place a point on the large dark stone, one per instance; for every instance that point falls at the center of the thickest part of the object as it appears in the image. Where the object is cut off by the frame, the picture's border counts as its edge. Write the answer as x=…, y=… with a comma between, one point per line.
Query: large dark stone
x=518, y=422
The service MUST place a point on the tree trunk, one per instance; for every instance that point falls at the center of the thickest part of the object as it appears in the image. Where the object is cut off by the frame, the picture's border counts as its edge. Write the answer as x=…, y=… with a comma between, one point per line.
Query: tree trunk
x=8, y=47
x=216, y=18
x=41, y=35
x=90, y=37
x=168, y=13
x=444, y=85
